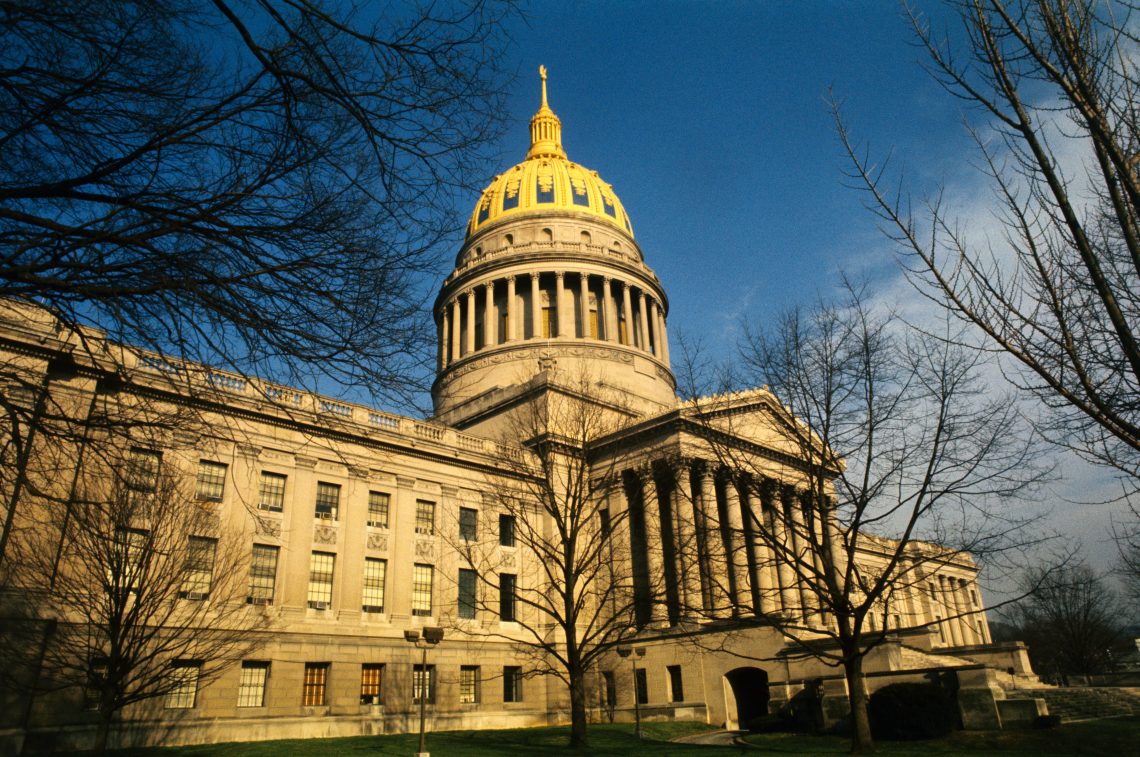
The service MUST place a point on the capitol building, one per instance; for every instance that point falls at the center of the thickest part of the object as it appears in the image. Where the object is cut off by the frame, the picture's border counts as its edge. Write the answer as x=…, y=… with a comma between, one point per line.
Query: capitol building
x=353, y=526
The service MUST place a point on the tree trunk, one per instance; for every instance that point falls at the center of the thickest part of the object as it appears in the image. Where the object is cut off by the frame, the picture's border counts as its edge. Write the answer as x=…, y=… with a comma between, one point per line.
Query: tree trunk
x=102, y=731
x=578, y=739
x=861, y=742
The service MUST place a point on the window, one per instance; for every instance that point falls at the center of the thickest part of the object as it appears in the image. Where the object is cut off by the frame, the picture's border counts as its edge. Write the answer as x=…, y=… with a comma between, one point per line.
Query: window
x=321, y=567
x=973, y=598
x=271, y=492
x=611, y=688
x=604, y=518
x=512, y=684
x=199, y=568
x=128, y=561
x=549, y=321
x=466, y=593
x=183, y=684
x=375, y=572
x=371, y=674
x=676, y=685
x=592, y=317
x=262, y=574
x=506, y=597
x=425, y=517
x=328, y=500
x=642, y=681
x=468, y=684
x=468, y=519
x=378, y=509
x=421, y=590
x=142, y=470
x=507, y=530
x=316, y=677
x=96, y=680
x=423, y=683
x=211, y=480
x=251, y=687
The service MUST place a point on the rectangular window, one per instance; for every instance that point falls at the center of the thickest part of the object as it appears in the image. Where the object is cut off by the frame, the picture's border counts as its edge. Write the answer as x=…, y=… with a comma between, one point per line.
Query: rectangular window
x=211, y=480
x=466, y=593
x=423, y=683
x=142, y=470
x=251, y=687
x=183, y=684
x=328, y=501
x=96, y=680
x=321, y=567
x=271, y=492
x=676, y=684
x=549, y=322
x=604, y=522
x=506, y=597
x=199, y=569
x=611, y=688
x=507, y=530
x=973, y=598
x=378, y=509
x=468, y=684
x=126, y=565
x=262, y=574
x=375, y=572
x=642, y=686
x=316, y=678
x=468, y=520
x=421, y=590
x=512, y=684
x=371, y=674
x=425, y=517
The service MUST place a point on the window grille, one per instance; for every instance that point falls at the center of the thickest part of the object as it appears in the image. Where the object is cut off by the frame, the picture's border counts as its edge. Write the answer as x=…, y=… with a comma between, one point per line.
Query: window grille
x=199, y=575
x=468, y=523
x=512, y=683
x=466, y=593
x=328, y=500
x=251, y=686
x=468, y=684
x=183, y=685
x=421, y=589
x=211, y=480
x=425, y=517
x=262, y=574
x=271, y=492
x=321, y=567
x=371, y=675
x=378, y=509
x=375, y=572
x=313, y=691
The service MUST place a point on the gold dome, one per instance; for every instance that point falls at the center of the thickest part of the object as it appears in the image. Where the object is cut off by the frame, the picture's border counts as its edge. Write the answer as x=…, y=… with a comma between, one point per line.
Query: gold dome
x=547, y=181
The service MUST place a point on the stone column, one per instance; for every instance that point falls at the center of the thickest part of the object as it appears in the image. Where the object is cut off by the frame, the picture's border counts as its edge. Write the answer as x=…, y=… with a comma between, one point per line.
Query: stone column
x=560, y=303
x=610, y=312
x=688, y=557
x=643, y=314
x=717, y=568
x=664, y=338
x=444, y=325
x=535, y=307
x=490, y=322
x=962, y=600
x=801, y=546
x=766, y=576
x=456, y=328
x=627, y=311
x=737, y=549
x=512, y=310
x=656, y=341
x=948, y=603
x=584, y=303
x=789, y=594
x=470, y=321
x=654, y=547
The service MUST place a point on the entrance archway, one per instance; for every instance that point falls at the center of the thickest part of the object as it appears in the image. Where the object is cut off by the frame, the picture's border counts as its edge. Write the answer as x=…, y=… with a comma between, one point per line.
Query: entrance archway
x=746, y=696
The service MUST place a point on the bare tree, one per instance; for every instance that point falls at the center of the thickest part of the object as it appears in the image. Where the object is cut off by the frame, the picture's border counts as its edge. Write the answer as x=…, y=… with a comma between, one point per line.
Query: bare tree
x=1070, y=619
x=1051, y=90
x=147, y=602
x=567, y=584
x=893, y=461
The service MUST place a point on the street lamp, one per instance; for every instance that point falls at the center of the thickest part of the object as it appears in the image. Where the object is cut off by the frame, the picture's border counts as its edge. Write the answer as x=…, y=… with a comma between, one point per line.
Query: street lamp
x=633, y=653
x=431, y=637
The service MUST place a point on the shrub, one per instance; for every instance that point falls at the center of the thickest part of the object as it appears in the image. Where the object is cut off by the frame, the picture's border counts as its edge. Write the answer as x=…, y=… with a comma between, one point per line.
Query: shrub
x=904, y=711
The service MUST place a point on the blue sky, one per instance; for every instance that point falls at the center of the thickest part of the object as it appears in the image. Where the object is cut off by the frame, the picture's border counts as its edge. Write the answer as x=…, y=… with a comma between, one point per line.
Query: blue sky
x=712, y=122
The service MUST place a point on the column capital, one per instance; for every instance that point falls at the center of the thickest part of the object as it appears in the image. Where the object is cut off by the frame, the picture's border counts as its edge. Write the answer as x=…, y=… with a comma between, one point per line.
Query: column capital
x=534, y=276
x=560, y=275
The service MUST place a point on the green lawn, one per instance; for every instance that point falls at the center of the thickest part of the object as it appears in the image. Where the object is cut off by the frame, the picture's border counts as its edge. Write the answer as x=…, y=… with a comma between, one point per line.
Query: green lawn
x=1118, y=738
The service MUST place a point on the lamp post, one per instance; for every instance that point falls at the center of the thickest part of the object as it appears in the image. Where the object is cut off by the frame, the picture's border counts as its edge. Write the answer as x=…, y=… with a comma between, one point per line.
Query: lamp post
x=633, y=653
x=431, y=637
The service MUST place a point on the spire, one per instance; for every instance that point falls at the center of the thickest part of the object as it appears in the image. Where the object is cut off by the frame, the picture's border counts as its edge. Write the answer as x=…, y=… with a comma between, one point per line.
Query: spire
x=545, y=129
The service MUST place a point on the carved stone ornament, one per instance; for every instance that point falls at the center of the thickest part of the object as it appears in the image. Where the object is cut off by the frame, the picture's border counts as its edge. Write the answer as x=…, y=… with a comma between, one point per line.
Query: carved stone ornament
x=425, y=549
x=305, y=462
x=324, y=535
x=379, y=542
x=249, y=450
x=269, y=527
x=508, y=559
x=405, y=483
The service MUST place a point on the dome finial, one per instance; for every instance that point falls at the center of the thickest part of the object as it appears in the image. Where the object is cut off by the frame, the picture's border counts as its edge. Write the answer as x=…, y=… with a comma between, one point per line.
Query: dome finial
x=545, y=129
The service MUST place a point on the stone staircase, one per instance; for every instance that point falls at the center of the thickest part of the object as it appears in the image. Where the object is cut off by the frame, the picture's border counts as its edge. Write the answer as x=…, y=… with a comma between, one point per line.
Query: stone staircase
x=1084, y=703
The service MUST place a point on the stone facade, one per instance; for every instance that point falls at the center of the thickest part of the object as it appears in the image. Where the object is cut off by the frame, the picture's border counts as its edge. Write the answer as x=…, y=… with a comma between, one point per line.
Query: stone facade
x=361, y=510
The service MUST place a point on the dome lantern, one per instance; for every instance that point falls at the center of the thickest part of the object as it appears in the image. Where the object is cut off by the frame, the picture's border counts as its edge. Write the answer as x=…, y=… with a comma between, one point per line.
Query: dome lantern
x=545, y=129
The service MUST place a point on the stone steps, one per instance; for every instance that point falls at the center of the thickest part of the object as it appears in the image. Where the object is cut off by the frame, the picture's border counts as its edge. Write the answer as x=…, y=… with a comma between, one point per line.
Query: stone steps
x=1084, y=703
